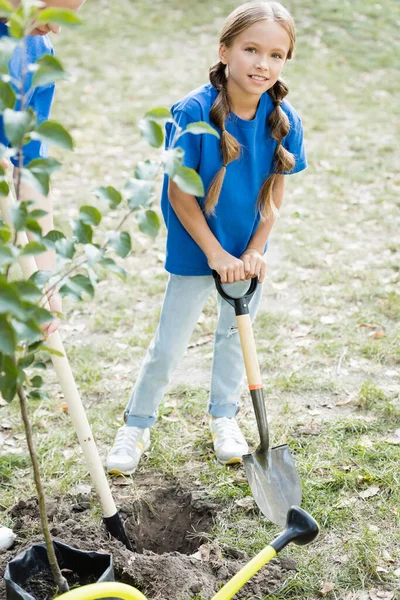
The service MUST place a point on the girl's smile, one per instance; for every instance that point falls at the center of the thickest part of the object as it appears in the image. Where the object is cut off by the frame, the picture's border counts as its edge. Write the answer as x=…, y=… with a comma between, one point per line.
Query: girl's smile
x=255, y=60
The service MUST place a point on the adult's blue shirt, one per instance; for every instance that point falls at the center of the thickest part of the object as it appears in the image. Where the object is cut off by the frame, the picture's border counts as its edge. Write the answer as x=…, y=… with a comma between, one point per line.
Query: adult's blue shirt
x=39, y=98
x=236, y=216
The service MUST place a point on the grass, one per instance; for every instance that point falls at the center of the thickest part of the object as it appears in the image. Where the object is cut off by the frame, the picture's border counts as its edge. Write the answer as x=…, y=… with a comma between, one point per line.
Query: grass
x=333, y=281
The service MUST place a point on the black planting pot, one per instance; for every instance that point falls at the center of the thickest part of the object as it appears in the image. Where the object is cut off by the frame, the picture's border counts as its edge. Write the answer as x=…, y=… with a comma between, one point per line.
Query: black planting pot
x=34, y=561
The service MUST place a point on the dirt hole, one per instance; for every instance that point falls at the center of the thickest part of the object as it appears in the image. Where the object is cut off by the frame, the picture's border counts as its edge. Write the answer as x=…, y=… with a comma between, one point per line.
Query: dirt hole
x=168, y=519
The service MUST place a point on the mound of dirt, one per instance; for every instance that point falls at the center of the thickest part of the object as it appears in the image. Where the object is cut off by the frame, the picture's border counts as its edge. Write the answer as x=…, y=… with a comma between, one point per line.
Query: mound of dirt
x=170, y=529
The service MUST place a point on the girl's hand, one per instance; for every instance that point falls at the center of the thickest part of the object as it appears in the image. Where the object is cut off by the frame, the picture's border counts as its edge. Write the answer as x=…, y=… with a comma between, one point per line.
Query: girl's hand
x=55, y=302
x=254, y=264
x=228, y=267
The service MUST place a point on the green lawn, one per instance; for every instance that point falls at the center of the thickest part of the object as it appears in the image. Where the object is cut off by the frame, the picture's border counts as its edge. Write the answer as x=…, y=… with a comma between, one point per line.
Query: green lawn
x=328, y=333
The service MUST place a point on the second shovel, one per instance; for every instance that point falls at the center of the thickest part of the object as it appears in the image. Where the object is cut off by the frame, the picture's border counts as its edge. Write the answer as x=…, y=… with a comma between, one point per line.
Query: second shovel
x=271, y=472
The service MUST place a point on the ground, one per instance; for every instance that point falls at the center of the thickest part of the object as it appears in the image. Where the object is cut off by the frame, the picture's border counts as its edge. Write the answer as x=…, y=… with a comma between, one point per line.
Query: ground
x=328, y=330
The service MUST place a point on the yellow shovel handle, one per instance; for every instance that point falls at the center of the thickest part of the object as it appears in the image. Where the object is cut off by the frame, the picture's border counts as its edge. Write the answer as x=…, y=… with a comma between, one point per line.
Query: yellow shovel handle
x=107, y=589
x=246, y=573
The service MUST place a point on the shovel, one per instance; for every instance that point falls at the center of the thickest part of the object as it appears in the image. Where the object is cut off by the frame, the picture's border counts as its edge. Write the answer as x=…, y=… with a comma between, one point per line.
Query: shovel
x=111, y=517
x=300, y=529
x=271, y=472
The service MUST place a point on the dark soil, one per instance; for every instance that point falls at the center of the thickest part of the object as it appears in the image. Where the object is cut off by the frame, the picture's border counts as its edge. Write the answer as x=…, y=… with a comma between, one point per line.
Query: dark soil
x=170, y=529
x=41, y=584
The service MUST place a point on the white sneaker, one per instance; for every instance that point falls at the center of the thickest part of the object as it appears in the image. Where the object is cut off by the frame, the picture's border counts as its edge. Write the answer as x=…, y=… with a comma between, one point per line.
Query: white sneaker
x=229, y=443
x=129, y=445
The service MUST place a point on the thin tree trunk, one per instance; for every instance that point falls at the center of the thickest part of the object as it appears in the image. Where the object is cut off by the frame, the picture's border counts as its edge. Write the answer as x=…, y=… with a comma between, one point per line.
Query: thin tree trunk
x=60, y=581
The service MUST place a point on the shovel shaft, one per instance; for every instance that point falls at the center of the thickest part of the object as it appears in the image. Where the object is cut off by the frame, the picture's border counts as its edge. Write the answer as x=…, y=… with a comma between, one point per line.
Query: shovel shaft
x=70, y=391
x=243, y=576
x=253, y=376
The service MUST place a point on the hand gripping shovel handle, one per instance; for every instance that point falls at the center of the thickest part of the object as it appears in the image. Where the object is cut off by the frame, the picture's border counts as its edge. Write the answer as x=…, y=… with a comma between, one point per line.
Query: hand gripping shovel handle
x=241, y=306
x=112, y=519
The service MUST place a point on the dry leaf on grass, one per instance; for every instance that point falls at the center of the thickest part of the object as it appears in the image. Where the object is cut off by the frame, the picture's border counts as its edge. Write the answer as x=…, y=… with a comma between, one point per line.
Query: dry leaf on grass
x=346, y=502
x=121, y=481
x=369, y=492
x=326, y=588
x=376, y=335
x=345, y=401
x=247, y=503
x=63, y=407
x=380, y=595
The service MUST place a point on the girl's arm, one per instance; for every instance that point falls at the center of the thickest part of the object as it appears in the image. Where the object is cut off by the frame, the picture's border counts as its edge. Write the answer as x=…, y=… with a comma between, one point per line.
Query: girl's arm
x=253, y=256
x=191, y=216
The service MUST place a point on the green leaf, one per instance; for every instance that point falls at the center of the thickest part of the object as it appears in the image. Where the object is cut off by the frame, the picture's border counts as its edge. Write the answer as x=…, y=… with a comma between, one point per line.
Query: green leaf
x=8, y=341
x=173, y=161
x=36, y=381
x=77, y=285
x=5, y=8
x=17, y=123
x=7, y=96
x=59, y=16
x=54, y=235
x=82, y=231
x=65, y=248
x=28, y=290
x=33, y=226
x=159, y=114
x=10, y=301
x=7, y=48
x=37, y=173
x=93, y=254
x=111, y=265
x=18, y=215
x=4, y=188
x=44, y=165
x=90, y=215
x=27, y=330
x=38, y=213
x=7, y=256
x=39, y=314
x=26, y=361
x=5, y=232
x=38, y=394
x=16, y=26
x=149, y=222
x=138, y=192
x=201, y=127
x=50, y=70
x=40, y=365
x=147, y=169
x=189, y=181
x=121, y=242
x=54, y=133
x=33, y=249
x=152, y=132
x=11, y=378
x=41, y=277
x=109, y=194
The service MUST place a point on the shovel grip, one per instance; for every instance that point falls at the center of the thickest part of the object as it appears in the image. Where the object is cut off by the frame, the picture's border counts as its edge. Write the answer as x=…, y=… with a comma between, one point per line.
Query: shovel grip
x=253, y=377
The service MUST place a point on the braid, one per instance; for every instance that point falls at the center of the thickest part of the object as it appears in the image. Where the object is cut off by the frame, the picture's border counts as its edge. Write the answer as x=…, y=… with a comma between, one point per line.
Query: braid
x=283, y=160
x=230, y=148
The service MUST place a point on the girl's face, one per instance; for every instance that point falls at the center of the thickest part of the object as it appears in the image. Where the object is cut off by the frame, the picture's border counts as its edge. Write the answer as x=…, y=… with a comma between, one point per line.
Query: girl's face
x=256, y=58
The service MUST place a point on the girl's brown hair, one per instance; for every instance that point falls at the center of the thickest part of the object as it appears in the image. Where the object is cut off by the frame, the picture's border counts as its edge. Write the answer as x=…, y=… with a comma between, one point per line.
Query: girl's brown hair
x=240, y=19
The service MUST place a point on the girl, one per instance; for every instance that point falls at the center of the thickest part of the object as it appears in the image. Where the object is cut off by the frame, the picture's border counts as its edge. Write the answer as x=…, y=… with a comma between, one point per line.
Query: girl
x=261, y=140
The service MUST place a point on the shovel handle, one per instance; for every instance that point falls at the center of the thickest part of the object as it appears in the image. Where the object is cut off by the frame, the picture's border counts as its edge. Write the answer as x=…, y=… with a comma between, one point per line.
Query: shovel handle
x=253, y=377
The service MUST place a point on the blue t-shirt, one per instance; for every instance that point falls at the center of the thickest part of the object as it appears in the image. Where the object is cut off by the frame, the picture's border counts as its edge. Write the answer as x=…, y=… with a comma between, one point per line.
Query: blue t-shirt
x=236, y=216
x=39, y=98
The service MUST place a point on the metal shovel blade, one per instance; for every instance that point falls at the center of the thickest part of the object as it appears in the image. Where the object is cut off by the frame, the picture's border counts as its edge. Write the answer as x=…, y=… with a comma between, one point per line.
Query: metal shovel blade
x=274, y=482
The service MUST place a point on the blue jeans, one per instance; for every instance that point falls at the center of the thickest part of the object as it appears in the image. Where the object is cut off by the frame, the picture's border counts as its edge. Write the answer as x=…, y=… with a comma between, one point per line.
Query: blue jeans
x=184, y=300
